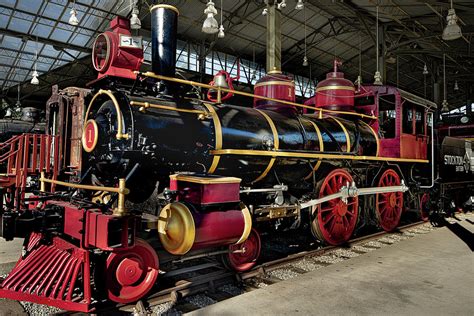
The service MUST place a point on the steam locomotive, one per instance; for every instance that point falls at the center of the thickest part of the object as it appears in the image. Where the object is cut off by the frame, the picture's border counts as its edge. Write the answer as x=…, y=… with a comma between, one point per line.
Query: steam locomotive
x=222, y=172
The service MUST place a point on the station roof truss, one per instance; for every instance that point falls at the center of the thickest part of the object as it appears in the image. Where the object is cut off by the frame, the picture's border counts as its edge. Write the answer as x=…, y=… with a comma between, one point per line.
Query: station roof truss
x=410, y=37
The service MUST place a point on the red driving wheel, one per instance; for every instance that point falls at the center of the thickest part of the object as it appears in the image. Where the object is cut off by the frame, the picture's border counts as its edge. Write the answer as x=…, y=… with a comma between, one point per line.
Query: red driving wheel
x=243, y=257
x=335, y=220
x=424, y=211
x=131, y=273
x=389, y=206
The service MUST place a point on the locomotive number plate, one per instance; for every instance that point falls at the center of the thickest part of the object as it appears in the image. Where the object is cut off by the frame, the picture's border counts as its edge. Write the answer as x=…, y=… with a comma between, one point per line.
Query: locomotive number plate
x=131, y=41
x=90, y=135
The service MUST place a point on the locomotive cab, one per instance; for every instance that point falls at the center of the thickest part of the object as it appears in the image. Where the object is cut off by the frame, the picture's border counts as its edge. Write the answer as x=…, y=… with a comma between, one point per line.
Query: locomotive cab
x=403, y=121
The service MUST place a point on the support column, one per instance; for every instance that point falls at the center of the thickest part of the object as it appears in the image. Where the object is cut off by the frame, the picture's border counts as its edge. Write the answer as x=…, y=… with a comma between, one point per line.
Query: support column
x=273, y=38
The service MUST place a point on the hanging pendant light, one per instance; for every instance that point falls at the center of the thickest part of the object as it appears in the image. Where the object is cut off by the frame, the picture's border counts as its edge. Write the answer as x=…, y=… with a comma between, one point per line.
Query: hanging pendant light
x=282, y=4
x=305, y=58
x=34, y=79
x=305, y=61
x=445, y=105
x=221, y=33
x=210, y=25
x=456, y=86
x=18, y=102
x=452, y=30
x=377, y=75
x=73, y=20
x=135, y=23
x=299, y=5
x=425, y=70
x=358, y=81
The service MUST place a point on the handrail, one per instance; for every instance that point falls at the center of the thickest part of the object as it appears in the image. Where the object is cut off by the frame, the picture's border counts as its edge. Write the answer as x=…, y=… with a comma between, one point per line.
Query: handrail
x=122, y=190
x=246, y=94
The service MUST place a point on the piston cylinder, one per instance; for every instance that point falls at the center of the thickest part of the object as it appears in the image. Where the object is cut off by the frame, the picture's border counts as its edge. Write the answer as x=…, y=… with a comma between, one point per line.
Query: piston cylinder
x=182, y=227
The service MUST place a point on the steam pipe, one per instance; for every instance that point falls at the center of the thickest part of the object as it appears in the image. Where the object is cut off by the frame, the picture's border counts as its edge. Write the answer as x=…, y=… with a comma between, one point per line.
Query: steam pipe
x=432, y=157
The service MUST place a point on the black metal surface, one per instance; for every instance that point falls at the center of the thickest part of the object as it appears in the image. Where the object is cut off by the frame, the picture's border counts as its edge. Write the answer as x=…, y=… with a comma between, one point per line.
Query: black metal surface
x=165, y=141
x=164, y=26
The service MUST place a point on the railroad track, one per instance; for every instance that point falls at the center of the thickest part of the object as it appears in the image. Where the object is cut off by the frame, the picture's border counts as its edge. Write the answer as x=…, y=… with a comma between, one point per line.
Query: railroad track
x=218, y=283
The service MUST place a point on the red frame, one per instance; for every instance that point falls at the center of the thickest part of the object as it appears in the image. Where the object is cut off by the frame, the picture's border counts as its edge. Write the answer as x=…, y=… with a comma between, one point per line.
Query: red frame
x=403, y=145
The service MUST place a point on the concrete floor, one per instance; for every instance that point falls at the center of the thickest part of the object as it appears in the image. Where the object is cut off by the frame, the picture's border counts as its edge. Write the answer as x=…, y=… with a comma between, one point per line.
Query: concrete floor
x=9, y=253
x=431, y=274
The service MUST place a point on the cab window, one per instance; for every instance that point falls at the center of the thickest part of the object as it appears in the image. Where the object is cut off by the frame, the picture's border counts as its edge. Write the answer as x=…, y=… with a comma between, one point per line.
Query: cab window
x=387, y=115
x=407, y=121
x=420, y=120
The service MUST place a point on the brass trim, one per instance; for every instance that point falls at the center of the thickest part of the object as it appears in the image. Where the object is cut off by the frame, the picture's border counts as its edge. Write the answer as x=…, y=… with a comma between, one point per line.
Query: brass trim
x=176, y=228
x=164, y=6
x=321, y=148
x=273, y=83
x=265, y=153
x=218, y=135
x=335, y=88
x=147, y=105
x=344, y=129
x=246, y=94
x=204, y=180
x=96, y=136
x=121, y=190
x=377, y=139
x=107, y=55
x=274, y=71
x=276, y=145
x=120, y=134
x=248, y=224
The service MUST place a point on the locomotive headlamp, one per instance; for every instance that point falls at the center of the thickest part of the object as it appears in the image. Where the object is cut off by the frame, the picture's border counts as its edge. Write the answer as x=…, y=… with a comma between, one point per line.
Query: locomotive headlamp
x=116, y=52
x=210, y=25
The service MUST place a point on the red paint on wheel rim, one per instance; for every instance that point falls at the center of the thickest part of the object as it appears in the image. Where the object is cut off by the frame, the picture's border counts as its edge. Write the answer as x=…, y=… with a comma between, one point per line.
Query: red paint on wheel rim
x=131, y=273
x=389, y=206
x=243, y=261
x=335, y=220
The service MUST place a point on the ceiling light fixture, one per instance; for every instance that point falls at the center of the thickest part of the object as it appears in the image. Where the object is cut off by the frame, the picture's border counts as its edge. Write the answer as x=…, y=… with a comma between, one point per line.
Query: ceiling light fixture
x=305, y=58
x=265, y=12
x=299, y=5
x=377, y=75
x=135, y=23
x=282, y=4
x=358, y=81
x=456, y=86
x=210, y=25
x=34, y=80
x=73, y=20
x=445, y=105
x=452, y=30
x=221, y=33
x=425, y=70
x=18, y=102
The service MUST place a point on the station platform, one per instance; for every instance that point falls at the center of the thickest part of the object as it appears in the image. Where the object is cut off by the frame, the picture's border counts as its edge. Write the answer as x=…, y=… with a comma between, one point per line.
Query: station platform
x=430, y=274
